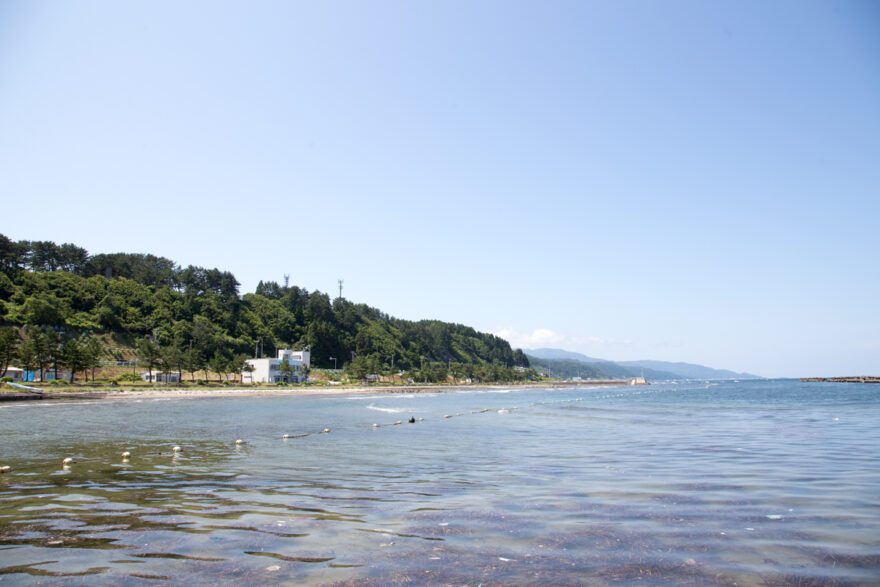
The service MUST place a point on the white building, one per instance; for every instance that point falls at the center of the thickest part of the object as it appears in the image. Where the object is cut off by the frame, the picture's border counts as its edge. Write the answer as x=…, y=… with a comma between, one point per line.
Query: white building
x=161, y=377
x=269, y=370
x=15, y=373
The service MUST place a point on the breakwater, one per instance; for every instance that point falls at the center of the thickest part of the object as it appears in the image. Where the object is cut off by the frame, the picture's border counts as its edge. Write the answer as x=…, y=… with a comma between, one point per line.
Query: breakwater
x=857, y=379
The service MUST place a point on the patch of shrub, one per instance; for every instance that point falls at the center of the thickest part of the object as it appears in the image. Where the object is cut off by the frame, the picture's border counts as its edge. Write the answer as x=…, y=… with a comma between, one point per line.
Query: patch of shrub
x=6, y=379
x=201, y=382
x=127, y=377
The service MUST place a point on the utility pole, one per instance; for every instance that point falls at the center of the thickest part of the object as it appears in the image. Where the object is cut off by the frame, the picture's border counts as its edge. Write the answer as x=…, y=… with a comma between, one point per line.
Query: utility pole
x=340, y=288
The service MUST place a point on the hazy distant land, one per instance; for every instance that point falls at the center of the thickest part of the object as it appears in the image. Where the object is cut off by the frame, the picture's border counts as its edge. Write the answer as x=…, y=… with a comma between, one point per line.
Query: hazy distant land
x=566, y=364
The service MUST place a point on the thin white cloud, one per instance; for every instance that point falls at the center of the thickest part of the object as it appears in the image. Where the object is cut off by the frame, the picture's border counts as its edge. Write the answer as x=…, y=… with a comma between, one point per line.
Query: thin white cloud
x=544, y=337
x=539, y=338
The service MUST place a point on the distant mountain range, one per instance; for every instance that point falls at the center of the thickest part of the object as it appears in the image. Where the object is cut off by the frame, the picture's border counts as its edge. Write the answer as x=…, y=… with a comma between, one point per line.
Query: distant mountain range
x=566, y=364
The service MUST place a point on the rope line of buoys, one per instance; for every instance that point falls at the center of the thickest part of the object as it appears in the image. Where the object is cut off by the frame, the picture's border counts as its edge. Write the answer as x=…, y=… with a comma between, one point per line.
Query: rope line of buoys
x=176, y=450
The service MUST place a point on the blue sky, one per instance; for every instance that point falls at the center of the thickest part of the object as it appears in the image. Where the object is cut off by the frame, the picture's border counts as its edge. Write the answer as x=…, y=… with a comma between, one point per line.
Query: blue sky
x=687, y=181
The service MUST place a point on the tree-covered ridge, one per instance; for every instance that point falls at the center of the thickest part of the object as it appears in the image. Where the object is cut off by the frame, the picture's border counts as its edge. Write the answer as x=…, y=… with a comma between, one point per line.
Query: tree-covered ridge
x=199, y=311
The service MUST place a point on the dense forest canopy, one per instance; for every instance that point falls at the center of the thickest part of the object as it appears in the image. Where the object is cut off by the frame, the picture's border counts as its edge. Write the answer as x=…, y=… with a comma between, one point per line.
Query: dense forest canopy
x=61, y=288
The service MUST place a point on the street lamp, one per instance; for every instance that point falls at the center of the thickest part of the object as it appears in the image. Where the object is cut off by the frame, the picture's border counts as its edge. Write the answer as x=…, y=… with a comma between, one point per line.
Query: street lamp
x=334, y=362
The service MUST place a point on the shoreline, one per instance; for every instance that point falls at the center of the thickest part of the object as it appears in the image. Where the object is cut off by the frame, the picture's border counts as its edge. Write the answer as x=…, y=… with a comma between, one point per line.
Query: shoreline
x=158, y=393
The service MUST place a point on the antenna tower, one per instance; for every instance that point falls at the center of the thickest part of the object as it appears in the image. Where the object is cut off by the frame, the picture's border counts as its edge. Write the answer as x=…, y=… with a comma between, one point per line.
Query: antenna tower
x=340, y=288
x=286, y=280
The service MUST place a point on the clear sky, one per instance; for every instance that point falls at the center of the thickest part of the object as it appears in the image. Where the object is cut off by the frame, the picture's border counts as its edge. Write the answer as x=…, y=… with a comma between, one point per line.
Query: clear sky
x=687, y=181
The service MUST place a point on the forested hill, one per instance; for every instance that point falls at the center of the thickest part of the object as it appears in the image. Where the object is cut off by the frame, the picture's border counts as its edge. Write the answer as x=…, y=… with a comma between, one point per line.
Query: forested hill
x=200, y=311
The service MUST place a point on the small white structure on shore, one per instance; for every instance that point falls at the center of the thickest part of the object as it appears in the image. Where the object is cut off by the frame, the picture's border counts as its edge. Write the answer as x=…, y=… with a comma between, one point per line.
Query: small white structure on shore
x=161, y=377
x=269, y=370
x=15, y=373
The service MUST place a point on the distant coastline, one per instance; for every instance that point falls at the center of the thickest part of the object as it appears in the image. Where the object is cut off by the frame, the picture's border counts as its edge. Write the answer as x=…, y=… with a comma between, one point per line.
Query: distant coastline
x=856, y=379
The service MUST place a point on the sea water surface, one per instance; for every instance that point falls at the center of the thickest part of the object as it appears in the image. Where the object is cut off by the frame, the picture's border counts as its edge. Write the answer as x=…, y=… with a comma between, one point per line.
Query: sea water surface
x=746, y=483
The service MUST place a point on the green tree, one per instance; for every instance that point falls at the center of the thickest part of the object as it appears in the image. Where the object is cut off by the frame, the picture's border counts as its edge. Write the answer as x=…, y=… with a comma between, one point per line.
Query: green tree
x=35, y=350
x=192, y=362
x=149, y=354
x=44, y=309
x=358, y=368
x=239, y=364
x=9, y=342
x=93, y=352
x=219, y=364
x=174, y=358
x=74, y=355
x=286, y=370
x=12, y=257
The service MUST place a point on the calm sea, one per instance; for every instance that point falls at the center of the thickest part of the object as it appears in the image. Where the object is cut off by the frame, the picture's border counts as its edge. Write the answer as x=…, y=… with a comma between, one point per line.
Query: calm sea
x=751, y=483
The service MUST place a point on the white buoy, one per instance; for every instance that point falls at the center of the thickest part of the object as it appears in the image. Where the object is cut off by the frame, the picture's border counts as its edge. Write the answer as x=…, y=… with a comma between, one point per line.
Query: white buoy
x=5, y=469
x=285, y=436
x=421, y=419
x=239, y=441
x=375, y=425
x=446, y=416
x=125, y=455
x=326, y=431
x=67, y=461
x=176, y=449
x=398, y=422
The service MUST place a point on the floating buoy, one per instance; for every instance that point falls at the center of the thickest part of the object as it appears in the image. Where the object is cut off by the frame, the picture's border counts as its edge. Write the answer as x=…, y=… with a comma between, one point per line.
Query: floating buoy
x=5, y=469
x=326, y=431
x=446, y=416
x=375, y=425
x=125, y=455
x=398, y=422
x=421, y=419
x=67, y=461
x=239, y=441
x=285, y=436
x=176, y=449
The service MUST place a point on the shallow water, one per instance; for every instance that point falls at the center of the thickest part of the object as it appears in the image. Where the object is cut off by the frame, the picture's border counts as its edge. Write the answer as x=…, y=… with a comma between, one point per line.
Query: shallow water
x=752, y=483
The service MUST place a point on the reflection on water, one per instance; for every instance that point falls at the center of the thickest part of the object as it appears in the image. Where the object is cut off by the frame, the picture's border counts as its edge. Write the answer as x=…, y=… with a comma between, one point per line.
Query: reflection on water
x=771, y=483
